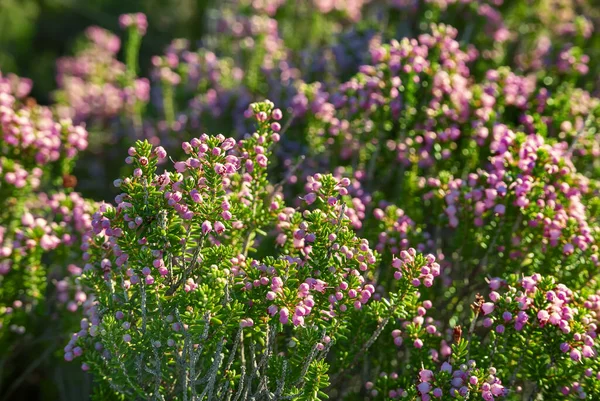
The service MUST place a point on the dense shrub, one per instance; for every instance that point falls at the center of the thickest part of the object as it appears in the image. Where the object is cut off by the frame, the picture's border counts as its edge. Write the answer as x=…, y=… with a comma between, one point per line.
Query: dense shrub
x=413, y=214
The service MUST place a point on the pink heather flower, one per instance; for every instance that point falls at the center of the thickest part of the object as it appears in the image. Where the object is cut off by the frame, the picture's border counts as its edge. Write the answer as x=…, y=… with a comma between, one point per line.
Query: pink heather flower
x=310, y=198
x=219, y=227
x=187, y=147
x=284, y=315
x=528, y=283
x=27, y=220
x=161, y=153
x=487, y=308
x=588, y=351
x=568, y=249
x=298, y=320
x=446, y=367
x=262, y=160
x=426, y=375
x=195, y=195
x=276, y=283
x=320, y=286
x=418, y=343
x=180, y=167
x=261, y=116
x=303, y=290
x=575, y=355
x=497, y=389
x=424, y=387
x=277, y=114
x=206, y=227
x=228, y=144
x=219, y=168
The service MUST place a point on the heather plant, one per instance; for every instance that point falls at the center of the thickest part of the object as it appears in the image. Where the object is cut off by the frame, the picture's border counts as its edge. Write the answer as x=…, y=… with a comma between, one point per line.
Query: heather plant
x=418, y=221
x=193, y=299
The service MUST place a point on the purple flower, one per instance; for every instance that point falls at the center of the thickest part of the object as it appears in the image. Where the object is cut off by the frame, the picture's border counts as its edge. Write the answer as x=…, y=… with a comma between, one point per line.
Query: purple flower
x=206, y=227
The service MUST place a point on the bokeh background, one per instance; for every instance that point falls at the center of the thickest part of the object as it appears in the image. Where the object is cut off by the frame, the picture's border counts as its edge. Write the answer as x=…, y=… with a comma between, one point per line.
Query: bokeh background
x=35, y=33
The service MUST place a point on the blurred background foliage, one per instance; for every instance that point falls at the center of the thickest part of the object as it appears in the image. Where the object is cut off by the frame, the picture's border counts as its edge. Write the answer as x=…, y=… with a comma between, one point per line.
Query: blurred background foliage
x=34, y=33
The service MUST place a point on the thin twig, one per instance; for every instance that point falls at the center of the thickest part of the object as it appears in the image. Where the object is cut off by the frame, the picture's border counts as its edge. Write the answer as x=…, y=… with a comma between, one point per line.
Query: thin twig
x=193, y=264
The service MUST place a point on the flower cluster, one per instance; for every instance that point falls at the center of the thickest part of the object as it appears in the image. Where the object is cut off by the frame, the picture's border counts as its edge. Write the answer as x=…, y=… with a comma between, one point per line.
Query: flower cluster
x=533, y=303
x=32, y=139
x=93, y=84
x=531, y=197
x=463, y=381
